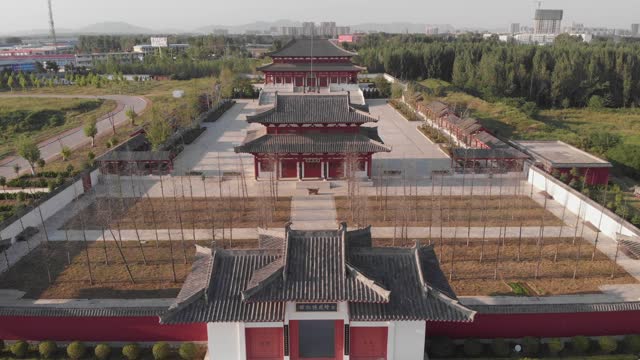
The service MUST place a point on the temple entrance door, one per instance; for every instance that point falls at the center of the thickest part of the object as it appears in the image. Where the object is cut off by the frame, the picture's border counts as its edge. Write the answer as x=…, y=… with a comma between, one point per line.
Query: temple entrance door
x=299, y=81
x=336, y=169
x=311, y=82
x=264, y=343
x=289, y=169
x=312, y=169
x=368, y=343
x=323, y=82
x=316, y=339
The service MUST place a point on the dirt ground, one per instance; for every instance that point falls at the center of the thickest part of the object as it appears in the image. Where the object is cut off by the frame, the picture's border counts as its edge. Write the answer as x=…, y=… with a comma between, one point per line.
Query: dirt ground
x=472, y=277
x=172, y=213
x=69, y=281
x=448, y=211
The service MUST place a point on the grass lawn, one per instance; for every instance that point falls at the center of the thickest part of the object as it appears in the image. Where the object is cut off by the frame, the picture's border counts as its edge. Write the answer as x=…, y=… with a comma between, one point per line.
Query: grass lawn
x=474, y=278
x=556, y=124
x=73, y=112
x=67, y=264
x=454, y=211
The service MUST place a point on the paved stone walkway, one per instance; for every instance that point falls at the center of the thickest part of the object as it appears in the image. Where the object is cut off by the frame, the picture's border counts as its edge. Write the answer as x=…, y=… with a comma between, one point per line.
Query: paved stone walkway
x=315, y=212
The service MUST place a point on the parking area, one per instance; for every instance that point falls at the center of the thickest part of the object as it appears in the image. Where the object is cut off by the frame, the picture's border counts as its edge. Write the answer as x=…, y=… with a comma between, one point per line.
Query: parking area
x=411, y=151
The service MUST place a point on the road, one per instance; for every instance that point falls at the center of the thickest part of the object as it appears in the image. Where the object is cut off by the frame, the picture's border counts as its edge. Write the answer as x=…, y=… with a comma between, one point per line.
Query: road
x=74, y=138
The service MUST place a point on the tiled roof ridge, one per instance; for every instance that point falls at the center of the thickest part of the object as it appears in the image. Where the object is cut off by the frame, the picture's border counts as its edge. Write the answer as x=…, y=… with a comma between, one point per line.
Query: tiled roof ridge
x=274, y=268
x=453, y=303
x=416, y=249
x=368, y=282
x=285, y=251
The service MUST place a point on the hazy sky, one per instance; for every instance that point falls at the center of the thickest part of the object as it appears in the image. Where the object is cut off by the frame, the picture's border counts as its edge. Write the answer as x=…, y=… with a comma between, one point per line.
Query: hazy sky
x=19, y=15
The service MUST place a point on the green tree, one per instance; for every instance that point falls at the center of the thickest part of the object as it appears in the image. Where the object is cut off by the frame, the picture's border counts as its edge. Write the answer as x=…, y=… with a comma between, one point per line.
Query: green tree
x=11, y=82
x=227, y=82
x=65, y=152
x=91, y=130
x=23, y=81
x=27, y=148
x=158, y=131
x=132, y=115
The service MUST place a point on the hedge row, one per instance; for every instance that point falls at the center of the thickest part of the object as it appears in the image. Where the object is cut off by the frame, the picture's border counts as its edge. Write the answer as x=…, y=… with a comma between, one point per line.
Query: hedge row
x=78, y=350
x=443, y=347
x=222, y=108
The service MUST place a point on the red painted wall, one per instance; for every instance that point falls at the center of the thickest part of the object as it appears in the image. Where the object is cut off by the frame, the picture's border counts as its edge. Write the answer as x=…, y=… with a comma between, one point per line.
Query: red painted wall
x=97, y=329
x=543, y=325
x=594, y=176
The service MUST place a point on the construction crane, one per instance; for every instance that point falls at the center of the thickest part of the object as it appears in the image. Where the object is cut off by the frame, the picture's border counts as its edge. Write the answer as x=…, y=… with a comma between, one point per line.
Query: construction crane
x=52, y=27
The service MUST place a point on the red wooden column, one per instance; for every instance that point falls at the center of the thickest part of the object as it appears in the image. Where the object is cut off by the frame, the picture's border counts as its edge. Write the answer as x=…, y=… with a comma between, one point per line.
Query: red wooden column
x=369, y=165
x=255, y=167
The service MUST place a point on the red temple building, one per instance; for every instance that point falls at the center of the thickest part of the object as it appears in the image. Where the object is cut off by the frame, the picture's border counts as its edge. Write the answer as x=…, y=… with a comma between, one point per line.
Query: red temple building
x=311, y=63
x=312, y=137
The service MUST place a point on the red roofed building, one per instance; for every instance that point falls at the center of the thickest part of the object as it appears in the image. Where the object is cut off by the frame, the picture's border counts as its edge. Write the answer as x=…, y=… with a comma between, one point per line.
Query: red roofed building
x=308, y=137
x=311, y=63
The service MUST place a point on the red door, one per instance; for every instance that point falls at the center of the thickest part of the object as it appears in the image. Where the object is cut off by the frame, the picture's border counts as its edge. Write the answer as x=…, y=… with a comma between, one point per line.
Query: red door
x=368, y=343
x=336, y=169
x=299, y=81
x=312, y=169
x=264, y=343
x=298, y=340
x=323, y=82
x=289, y=169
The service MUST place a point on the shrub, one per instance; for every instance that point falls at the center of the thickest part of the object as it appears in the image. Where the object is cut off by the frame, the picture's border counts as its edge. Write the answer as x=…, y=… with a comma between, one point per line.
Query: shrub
x=76, y=350
x=102, y=351
x=19, y=348
x=188, y=351
x=441, y=347
x=580, y=344
x=161, y=350
x=131, y=351
x=47, y=349
x=500, y=348
x=632, y=343
x=1, y=345
x=473, y=348
x=607, y=344
x=555, y=346
x=530, y=346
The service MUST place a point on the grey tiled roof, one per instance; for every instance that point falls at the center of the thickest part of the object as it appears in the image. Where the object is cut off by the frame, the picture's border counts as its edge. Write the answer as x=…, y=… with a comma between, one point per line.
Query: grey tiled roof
x=462, y=153
x=312, y=109
x=437, y=107
x=306, y=67
x=315, y=270
x=379, y=283
x=421, y=293
x=556, y=308
x=311, y=47
x=54, y=311
x=229, y=276
x=312, y=143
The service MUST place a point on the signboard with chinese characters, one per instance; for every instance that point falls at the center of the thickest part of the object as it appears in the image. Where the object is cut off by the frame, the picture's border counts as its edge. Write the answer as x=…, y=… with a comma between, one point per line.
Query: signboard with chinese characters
x=159, y=42
x=316, y=307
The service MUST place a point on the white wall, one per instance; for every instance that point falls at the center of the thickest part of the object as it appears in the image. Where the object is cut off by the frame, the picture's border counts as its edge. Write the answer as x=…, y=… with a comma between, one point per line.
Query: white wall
x=609, y=223
x=408, y=340
x=226, y=341
x=48, y=208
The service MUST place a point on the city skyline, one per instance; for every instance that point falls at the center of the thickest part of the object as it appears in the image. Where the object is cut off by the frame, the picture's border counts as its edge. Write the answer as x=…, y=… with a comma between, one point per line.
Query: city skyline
x=31, y=15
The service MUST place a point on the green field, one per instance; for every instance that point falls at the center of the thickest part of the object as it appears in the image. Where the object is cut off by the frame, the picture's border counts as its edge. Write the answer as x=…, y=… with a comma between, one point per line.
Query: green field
x=586, y=128
x=42, y=118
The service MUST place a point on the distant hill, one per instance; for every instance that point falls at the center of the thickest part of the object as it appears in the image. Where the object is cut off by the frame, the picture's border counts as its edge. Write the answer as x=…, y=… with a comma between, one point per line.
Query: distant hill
x=241, y=29
x=113, y=27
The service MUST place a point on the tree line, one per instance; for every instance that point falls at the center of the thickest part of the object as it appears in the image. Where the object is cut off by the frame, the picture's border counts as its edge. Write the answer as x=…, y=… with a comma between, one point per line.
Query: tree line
x=565, y=74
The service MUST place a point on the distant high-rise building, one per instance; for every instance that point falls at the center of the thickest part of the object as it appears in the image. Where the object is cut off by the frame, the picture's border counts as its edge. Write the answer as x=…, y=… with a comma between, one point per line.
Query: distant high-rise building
x=431, y=30
x=327, y=29
x=548, y=21
x=514, y=28
x=308, y=29
x=342, y=30
x=635, y=29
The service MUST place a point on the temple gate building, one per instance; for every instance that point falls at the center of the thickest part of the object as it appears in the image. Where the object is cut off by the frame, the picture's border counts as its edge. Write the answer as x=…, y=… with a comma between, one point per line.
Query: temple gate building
x=310, y=63
x=317, y=295
x=312, y=137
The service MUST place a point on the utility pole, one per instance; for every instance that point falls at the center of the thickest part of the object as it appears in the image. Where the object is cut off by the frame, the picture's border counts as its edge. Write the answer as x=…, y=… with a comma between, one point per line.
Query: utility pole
x=52, y=28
